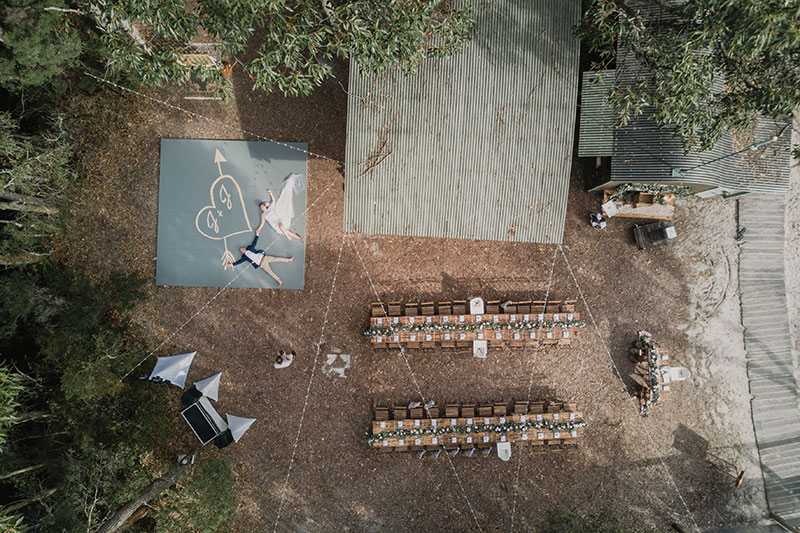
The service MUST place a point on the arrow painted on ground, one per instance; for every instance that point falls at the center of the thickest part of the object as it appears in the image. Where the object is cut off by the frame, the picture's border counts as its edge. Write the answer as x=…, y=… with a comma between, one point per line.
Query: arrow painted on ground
x=219, y=158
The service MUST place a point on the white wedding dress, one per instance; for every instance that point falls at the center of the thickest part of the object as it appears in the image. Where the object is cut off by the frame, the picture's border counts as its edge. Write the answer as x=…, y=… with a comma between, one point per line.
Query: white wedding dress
x=282, y=209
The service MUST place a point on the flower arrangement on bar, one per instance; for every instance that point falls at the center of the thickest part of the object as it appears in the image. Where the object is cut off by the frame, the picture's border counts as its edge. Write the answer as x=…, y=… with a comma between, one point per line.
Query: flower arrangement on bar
x=658, y=191
x=468, y=429
x=393, y=329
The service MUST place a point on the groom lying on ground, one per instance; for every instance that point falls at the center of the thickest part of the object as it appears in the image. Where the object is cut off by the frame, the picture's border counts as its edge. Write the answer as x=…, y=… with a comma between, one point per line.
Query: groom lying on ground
x=258, y=258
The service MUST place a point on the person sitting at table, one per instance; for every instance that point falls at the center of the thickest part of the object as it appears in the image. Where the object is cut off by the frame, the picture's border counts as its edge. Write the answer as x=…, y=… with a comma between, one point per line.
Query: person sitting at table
x=259, y=258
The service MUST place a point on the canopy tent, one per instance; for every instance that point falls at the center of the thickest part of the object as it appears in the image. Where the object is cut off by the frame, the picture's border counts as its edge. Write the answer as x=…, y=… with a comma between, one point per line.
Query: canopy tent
x=173, y=369
x=238, y=425
x=209, y=386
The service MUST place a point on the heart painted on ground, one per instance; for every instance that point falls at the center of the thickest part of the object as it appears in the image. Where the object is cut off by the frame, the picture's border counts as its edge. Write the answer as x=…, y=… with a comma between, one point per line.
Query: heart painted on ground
x=226, y=215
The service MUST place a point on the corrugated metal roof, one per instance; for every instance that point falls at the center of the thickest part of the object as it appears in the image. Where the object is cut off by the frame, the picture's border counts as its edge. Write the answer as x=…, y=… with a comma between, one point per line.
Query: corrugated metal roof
x=476, y=146
x=596, y=125
x=644, y=151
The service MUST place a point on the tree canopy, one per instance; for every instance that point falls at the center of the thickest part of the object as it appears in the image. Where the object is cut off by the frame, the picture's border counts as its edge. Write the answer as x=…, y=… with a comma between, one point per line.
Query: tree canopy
x=37, y=43
x=707, y=66
x=295, y=41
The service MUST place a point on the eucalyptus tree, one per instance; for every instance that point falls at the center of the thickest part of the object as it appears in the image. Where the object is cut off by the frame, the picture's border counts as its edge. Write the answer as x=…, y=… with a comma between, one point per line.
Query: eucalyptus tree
x=292, y=43
x=707, y=66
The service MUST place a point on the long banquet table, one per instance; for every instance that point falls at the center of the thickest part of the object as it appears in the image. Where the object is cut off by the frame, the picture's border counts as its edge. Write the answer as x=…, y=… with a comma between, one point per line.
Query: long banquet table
x=478, y=437
x=478, y=328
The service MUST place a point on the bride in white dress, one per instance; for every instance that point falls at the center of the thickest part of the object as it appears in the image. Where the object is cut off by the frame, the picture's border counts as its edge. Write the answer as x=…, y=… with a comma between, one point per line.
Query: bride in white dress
x=279, y=213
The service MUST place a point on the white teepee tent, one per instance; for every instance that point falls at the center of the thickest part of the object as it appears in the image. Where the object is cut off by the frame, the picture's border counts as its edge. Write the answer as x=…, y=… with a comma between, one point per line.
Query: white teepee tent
x=238, y=425
x=209, y=386
x=173, y=369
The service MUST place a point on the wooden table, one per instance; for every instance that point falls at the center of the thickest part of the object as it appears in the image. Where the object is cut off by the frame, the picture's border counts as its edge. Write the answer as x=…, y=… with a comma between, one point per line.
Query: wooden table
x=558, y=335
x=478, y=438
x=655, y=386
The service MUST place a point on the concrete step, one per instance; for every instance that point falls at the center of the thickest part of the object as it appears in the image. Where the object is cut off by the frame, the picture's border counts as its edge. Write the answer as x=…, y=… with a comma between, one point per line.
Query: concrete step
x=768, y=247
x=772, y=385
x=766, y=332
x=754, y=318
x=768, y=261
x=761, y=265
x=770, y=370
x=777, y=403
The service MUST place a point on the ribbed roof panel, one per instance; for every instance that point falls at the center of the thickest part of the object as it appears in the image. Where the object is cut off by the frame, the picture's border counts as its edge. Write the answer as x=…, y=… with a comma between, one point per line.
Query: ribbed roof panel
x=596, y=124
x=475, y=146
x=643, y=151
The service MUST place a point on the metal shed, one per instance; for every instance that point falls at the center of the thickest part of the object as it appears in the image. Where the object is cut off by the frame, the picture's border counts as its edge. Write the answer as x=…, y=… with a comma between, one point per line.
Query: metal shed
x=476, y=146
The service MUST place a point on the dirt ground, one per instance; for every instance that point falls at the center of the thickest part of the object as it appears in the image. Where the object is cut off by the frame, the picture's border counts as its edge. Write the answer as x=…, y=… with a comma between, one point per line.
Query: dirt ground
x=307, y=448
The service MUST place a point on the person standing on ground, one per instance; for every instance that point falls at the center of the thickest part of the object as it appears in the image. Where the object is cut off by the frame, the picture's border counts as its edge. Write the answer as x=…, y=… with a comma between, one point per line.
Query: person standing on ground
x=283, y=360
x=259, y=259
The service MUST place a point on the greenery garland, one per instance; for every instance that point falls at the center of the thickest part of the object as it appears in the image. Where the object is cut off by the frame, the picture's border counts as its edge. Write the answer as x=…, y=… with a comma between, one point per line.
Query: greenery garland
x=423, y=327
x=468, y=429
x=657, y=190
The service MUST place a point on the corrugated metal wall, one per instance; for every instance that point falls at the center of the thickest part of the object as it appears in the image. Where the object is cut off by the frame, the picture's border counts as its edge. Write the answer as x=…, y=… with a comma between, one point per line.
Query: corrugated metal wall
x=476, y=146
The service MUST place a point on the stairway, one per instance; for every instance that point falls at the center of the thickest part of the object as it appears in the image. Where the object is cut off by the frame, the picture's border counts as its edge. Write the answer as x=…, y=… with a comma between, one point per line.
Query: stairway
x=768, y=343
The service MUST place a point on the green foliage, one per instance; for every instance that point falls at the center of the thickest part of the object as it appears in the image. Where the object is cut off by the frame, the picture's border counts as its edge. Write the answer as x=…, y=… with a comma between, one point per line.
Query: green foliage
x=35, y=165
x=36, y=44
x=751, y=45
x=24, y=300
x=297, y=40
x=11, y=388
x=95, y=482
x=186, y=507
x=12, y=523
x=98, y=439
x=563, y=521
x=37, y=177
